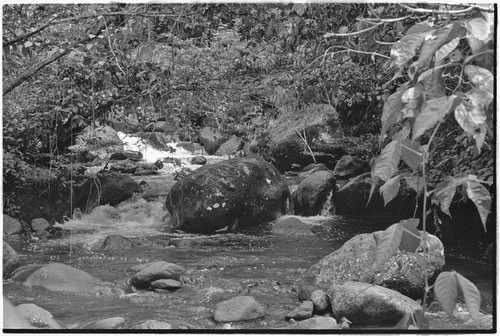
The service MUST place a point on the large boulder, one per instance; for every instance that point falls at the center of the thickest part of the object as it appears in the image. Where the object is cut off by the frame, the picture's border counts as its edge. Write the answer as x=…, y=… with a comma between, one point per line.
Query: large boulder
x=349, y=166
x=154, y=271
x=10, y=260
x=230, y=147
x=63, y=278
x=314, y=194
x=243, y=191
x=354, y=261
x=321, y=126
x=105, y=188
x=100, y=141
x=211, y=139
x=240, y=308
x=370, y=305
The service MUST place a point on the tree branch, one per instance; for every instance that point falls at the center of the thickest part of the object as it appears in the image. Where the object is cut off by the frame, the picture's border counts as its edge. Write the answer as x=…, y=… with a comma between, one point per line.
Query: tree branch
x=28, y=35
x=23, y=77
x=435, y=11
x=355, y=33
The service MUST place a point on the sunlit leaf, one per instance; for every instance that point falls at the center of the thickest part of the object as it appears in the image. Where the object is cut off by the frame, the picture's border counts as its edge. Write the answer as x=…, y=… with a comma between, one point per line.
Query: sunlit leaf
x=411, y=153
x=464, y=116
x=431, y=44
x=388, y=244
x=413, y=222
x=28, y=44
x=472, y=296
x=406, y=48
x=482, y=99
x=390, y=189
x=412, y=98
x=446, y=49
x=445, y=290
x=433, y=111
x=480, y=77
x=478, y=28
x=481, y=198
x=455, y=55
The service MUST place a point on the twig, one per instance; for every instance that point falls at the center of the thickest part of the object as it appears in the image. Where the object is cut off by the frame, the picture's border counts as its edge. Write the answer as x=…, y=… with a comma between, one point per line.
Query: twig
x=435, y=11
x=356, y=51
x=354, y=33
x=28, y=35
x=304, y=138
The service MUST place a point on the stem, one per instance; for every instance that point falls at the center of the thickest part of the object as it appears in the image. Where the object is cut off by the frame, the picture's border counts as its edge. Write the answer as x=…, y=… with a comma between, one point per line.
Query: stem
x=354, y=33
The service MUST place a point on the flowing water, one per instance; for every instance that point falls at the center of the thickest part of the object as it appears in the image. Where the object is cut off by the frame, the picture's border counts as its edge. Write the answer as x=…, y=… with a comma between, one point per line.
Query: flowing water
x=261, y=263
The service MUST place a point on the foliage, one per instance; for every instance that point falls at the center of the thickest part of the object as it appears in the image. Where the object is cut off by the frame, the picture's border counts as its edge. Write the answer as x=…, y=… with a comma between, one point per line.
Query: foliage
x=421, y=104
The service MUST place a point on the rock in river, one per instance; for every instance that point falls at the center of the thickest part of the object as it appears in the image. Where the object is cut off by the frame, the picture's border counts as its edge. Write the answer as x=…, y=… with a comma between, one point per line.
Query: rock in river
x=244, y=191
x=155, y=271
x=37, y=316
x=364, y=304
x=240, y=308
x=314, y=194
x=62, y=278
x=354, y=261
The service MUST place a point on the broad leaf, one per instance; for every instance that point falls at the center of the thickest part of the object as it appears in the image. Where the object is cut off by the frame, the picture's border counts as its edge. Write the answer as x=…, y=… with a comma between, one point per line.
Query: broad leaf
x=410, y=239
x=403, y=133
x=478, y=28
x=445, y=50
x=431, y=44
x=416, y=182
x=406, y=48
x=419, y=28
x=444, y=193
x=411, y=153
x=412, y=98
x=433, y=111
x=481, y=198
x=413, y=222
x=430, y=71
x=472, y=296
x=480, y=77
x=388, y=244
x=390, y=189
x=387, y=162
x=465, y=114
x=445, y=289
x=482, y=99
x=391, y=111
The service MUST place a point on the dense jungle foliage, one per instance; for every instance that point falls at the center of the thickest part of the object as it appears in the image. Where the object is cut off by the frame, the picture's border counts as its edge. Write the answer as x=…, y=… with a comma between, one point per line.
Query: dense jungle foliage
x=233, y=66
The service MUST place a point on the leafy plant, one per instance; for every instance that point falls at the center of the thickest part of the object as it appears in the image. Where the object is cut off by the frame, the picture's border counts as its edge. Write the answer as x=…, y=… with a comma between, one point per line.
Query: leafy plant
x=414, y=113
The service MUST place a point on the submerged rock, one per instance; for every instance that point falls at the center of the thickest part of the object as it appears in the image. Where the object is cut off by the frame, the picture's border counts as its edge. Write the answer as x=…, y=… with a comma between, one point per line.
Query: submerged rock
x=116, y=243
x=291, y=226
x=62, y=278
x=370, y=305
x=240, y=308
x=354, y=261
x=152, y=324
x=107, y=323
x=243, y=191
x=316, y=323
x=37, y=316
x=314, y=193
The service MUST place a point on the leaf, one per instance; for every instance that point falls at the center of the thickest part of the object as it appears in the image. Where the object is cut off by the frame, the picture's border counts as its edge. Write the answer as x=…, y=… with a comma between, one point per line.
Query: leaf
x=481, y=198
x=472, y=296
x=464, y=116
x=412, y=98
x=411, y=153
x=343, y=29
x=28, y=44
x=434, y=110
x=416, y=183
x=445, y=289
x=413, y=222
x=446, y=49
x=391, y=111
x=406, y=48
x=455, y=55
x=388, y=244
x=410, y=239
x=482, y=99
x=478, y=28
x=444, y=193
x=418, y=28
x=431, y=44
x=390, y=189
x=403, y=133
x=387, y=162
x=480, y=77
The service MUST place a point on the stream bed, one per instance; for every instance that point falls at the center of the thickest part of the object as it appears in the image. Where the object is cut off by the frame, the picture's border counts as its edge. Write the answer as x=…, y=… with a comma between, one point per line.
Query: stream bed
x=260, y=263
